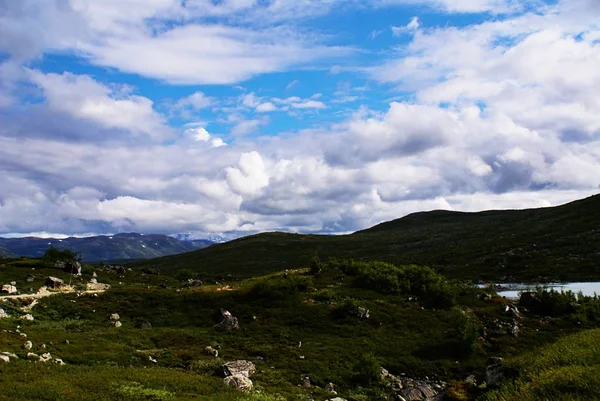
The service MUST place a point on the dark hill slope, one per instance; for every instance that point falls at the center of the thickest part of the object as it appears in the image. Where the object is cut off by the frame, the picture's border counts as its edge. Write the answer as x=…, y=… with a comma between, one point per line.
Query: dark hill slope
x=561, y=242
x=104, y=247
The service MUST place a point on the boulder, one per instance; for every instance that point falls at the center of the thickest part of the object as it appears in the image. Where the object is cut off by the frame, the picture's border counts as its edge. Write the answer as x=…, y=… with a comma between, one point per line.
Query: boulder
x=59, y=362
x=94, y=275
x=9, y=354
x=4, y=359
x=228, y=322
x=115, y=316
x=240, y=367
x=116, y=323
x=28, y=345
x=3, y=314
x=146, y=325
x=54, y=282
x=9, y=289
x=27, y=317
x=32, y=356
x=330, y=388
x=239, y=382
x=94, y=285
x=45, y=357
x=306, y=382
x=211, y=351
x=363, y=313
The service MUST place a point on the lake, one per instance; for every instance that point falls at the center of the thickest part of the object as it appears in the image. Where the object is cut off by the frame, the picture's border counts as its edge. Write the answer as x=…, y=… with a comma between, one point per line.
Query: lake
x=512, y=290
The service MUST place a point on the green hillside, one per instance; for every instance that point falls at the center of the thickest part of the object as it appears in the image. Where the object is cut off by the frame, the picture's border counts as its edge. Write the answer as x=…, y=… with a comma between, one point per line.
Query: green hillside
x=534, y=244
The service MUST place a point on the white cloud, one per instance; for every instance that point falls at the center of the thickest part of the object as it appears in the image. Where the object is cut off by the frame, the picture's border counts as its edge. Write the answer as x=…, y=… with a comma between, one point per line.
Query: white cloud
x=413, y=25
x=195, y=101
x=309, y=104
x=83, y=97
x=250, y=176
x=266, y=107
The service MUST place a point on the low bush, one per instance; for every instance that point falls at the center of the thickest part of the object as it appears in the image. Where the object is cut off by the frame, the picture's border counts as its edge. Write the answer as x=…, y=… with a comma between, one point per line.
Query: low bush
x=280, y=287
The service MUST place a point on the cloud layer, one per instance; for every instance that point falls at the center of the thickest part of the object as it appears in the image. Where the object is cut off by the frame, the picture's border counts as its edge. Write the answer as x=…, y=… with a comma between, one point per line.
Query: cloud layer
x=499, y=113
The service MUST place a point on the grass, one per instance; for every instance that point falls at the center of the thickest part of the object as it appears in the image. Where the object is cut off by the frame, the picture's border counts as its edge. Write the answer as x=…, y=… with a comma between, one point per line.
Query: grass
x=546, y=244
x=566, y=370
x=277, y=312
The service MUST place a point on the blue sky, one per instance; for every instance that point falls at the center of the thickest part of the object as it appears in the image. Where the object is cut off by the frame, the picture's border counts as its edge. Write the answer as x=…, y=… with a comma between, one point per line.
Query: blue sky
x=239, y=116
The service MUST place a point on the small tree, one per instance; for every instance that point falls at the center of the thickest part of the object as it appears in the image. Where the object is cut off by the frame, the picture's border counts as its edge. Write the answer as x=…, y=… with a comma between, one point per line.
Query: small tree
x=53, y=254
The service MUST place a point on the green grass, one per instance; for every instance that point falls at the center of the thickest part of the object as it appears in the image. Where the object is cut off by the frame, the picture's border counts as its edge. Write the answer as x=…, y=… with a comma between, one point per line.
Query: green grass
x=558, y=243
x=566, y=370
x=276, y=312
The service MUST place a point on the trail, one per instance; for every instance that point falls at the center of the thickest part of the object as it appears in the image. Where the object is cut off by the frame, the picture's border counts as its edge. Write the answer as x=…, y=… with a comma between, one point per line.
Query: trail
x=48, y=293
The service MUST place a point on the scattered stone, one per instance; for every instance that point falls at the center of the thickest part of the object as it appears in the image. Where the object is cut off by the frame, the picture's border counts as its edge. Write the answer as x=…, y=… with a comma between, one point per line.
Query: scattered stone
x=338, y=399
x=240, y=367
x=9, y=354
x=146, y=325
x=45, y=357
x=27, y=317
x=23, y=335
x=239, y=382
x=211, y=351
x=363, y=313
x=116, y=324
x=152, y=359
x=4, y=358
x=67, y=342
x=194, y=283
x=94, y=285
x=59, y=362
x=511, y=310
x=496, y=372
x=28, y=345
x=94, y=275
x=115, y=316
x=54, y=282
x=32, y=356
x=43, y=291
x=43, y=346
x=306, y=382
x=9, y=289
x=302, y=357
x=331, y=388
x=471, y=380
x=228, y=322
x=13, y=283
x=3, y=314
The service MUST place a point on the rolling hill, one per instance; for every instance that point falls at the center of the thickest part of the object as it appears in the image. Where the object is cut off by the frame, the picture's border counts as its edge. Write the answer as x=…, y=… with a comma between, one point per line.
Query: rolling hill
x=124, y=246
x=555, y=243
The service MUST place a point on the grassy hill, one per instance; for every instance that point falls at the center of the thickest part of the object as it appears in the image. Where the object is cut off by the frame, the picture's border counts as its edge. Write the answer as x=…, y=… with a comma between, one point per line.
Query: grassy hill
x=534, y=244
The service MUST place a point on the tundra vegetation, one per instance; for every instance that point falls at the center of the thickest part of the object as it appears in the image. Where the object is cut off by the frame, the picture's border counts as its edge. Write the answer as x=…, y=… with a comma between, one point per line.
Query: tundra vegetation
x=337, y=322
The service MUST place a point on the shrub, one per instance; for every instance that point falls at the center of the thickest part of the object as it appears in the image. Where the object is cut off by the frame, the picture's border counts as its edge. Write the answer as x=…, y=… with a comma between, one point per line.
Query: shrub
x=549, y=302
x=279, y=287
x=53, y=254
x=367, y=370
x=466, y=332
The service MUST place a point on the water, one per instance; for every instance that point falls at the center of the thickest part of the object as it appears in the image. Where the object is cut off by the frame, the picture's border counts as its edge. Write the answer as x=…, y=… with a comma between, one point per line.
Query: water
x=512, y=290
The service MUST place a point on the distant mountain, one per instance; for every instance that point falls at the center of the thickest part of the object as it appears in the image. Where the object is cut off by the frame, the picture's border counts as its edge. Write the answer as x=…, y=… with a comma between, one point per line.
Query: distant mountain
x=104, y=247
x=555, y=243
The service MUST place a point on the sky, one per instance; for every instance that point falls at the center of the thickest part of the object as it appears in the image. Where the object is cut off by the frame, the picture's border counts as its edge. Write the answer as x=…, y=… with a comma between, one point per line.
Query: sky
x=231, y=117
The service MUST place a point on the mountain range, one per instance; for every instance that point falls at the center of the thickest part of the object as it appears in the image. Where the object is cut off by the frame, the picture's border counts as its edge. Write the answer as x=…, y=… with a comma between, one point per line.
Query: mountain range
x=553, y=243
x=118, y=247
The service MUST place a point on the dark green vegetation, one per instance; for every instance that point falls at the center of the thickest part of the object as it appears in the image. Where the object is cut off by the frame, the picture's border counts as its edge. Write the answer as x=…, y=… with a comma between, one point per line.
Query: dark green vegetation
x=420, y=324
x=103, y=247
x=558, y=243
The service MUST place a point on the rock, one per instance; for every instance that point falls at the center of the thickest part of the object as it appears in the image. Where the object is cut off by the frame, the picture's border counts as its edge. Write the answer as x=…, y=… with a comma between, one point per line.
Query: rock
x=338, y=399
x=54, y=282
x=27, y=317
x=94, y=275
x=152, y=359
x=146, y=325
x=496, y=372
x=331, y=388
x=59, y=362
x=32, y=356
x=9, y=289
x=66, y=342
x=45, y=357
x=3, y=314
x=116, y=323
x=9, y=354
x=228, y=322
x=241, y=383
x=306, y=382
x=363, y=313
x=194, y=283
x=23, y=335
x=471, y=380
x=4, y=358
x=28, y=345
x=211, y=351
x=43, y=291
x=73, y=267
x=240, y=367
x=511, y=310
x=115, y=316
x=94, y=285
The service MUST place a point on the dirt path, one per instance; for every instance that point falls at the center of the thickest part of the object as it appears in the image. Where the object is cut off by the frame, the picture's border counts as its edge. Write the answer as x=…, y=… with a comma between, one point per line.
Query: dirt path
x=48, y=293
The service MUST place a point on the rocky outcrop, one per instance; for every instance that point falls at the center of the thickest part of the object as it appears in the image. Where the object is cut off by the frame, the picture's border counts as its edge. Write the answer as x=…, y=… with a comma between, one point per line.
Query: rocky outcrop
x=54, y=282
x=228, y=322
x=237, y=374
x=9, y=289
x=407, y=389
x=94, y=285
x=241, y=383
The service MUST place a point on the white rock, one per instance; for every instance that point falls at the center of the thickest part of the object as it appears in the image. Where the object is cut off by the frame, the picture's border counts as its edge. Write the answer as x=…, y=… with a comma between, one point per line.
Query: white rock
x=28, y=345
x=27, y=317
x=3, y=314
x=116, y=324
x=4, y=358
x=45, y=357
x=10, y=289
x=59, y=361
x=152, y=359
x=115, y=316
x=32, y=356
x=23, y=335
